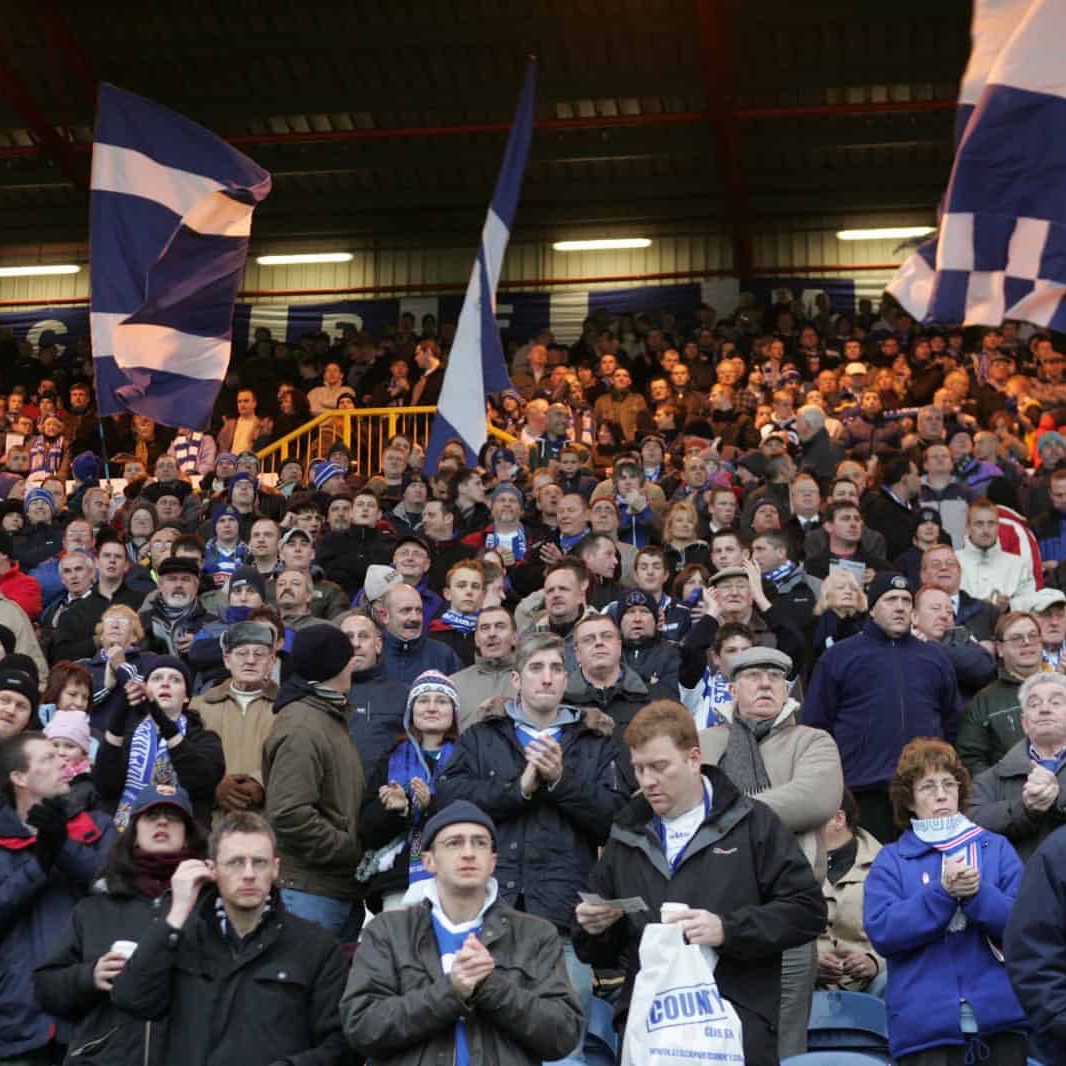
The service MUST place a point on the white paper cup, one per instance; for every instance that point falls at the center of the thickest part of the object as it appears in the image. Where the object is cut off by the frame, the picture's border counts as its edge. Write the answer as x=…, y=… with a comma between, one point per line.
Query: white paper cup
x=668, y=910
x=124, y=947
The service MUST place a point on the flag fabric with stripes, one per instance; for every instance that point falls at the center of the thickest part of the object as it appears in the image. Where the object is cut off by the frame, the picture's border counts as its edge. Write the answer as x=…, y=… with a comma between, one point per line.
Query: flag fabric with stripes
x=476, y=366
x=1000, y=247
x=170, y=217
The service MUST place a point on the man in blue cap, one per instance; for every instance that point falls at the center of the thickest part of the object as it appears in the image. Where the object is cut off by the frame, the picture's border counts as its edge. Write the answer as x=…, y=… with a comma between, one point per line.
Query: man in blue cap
x=489, y=981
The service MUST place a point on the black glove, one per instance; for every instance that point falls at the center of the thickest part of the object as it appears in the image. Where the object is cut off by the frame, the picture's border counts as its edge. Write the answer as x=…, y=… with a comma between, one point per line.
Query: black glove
x=167, y=727
x=119, y=716
x=49, y=818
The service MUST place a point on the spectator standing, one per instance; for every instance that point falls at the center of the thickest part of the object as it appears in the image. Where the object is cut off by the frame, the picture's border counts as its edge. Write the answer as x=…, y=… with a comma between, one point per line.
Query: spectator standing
x=495, y=641
x=935, y=906
x=407, y=650
x=491, y=978
x=876, y=692
x=202, y=966
x=691, y=837
x=314, y=781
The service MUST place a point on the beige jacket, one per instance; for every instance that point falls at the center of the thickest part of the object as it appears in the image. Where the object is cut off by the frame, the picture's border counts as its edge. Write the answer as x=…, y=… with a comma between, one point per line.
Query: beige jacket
x=242, y=732
x=844, y=932
x=18, y=621
x=806, y=781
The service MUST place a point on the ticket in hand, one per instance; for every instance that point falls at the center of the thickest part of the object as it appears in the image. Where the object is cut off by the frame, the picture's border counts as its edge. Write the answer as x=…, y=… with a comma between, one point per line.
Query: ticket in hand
x=630, y=905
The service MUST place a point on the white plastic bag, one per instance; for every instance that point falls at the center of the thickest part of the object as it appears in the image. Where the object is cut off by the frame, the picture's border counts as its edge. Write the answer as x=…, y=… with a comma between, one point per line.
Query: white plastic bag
x=676, y=1013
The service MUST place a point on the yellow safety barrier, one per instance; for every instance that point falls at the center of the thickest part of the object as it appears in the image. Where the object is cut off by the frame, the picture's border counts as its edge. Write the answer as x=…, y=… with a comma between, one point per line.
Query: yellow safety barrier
x=365, y=432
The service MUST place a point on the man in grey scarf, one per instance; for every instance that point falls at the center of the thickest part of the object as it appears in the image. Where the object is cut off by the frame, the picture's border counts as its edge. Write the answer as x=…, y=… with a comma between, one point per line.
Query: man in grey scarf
x=793, y=769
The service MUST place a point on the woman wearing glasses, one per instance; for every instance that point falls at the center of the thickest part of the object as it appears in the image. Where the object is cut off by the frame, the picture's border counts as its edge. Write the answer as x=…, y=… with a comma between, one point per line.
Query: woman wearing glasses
x=935, y=906
x=75, y=984
x=1022, y=796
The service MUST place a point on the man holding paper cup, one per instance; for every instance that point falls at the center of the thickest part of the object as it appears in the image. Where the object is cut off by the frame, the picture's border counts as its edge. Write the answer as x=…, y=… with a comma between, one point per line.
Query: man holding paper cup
x=692, y=838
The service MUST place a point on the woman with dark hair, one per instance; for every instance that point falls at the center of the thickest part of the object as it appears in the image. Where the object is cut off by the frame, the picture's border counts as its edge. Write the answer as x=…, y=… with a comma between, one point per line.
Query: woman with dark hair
x=74, y=985
x=936, y=905
x=293, y=411
x=400, y=793
x=610, y=440
x=69, y=688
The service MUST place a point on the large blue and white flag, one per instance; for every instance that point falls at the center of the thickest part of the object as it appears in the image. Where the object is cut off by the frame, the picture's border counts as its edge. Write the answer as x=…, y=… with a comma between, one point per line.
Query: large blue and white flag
x=476, y=366
x=1000, y=248
x=170, y=217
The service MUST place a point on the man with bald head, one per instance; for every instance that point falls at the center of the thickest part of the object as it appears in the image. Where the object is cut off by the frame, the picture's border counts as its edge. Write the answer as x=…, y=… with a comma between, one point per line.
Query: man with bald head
x=407, y=650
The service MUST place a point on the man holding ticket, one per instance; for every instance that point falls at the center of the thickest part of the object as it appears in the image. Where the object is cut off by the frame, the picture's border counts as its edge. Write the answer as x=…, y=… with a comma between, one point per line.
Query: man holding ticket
x=695, y=851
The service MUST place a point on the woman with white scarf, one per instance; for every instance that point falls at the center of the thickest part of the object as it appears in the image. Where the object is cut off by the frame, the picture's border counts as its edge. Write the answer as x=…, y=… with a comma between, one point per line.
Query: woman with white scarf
x=935, y=906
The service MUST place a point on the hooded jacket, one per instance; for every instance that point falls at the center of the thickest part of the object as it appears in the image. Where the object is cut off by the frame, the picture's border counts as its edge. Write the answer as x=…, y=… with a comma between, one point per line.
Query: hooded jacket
x=313, y=779
x=806, y=781
x=873, y=694
x=744, y=865
x=548, y=843
x=34, y=908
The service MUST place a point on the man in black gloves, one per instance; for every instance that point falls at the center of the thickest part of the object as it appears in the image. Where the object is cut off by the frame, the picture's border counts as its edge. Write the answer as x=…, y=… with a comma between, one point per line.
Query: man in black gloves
x=154, y=737
x=48, y=859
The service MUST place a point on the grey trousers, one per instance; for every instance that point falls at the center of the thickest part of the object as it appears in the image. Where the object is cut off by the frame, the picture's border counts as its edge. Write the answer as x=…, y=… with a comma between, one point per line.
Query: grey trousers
x=798, y=972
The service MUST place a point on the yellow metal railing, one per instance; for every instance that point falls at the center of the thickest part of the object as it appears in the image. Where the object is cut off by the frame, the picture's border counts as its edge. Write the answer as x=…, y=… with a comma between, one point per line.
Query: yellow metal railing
x=365, y=432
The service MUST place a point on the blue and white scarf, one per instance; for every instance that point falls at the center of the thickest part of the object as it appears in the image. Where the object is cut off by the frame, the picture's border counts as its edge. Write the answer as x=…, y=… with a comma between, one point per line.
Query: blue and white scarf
x=518, y=543
x=186, y=451
x=955, y=838
x=457, y=620
x=707, y=697
x=148, y=764
x=779, y=573
x=406, y=761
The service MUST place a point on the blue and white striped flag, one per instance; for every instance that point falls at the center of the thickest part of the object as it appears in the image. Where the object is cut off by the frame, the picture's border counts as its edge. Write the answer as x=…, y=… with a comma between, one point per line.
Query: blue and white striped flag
x=476, y=366
x=1000, y=249
x=170, y=217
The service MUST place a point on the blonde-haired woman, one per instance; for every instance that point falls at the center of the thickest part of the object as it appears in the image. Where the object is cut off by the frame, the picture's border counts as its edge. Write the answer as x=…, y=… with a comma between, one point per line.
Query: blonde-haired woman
x=681, y=538
x=116, y=666
x=840, y=611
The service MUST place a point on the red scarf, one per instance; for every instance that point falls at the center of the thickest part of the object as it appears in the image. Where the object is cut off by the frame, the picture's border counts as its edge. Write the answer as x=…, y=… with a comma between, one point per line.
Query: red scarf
x=153, y=871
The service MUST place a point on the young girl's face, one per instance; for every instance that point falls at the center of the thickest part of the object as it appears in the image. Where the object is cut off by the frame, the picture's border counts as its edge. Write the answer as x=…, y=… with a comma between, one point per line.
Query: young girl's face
x=74, y=697
x=141, y=524
x=69, y=753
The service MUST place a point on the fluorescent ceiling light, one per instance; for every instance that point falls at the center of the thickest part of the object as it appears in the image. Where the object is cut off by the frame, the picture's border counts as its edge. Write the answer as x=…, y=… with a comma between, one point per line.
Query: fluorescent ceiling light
x=605, y=244
x=307, y=257
x=38, y=271
x=885, y=233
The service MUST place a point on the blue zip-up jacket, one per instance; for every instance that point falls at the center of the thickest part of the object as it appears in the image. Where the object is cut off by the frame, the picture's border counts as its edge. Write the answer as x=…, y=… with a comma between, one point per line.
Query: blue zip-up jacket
x=906, y=911
x=405, y=659
x=34, y=908
x=874, y=694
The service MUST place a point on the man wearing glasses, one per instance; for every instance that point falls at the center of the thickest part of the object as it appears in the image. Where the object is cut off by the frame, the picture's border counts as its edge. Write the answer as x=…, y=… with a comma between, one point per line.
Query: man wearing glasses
x=240, y=709
x=461, y=977
x=237, y=976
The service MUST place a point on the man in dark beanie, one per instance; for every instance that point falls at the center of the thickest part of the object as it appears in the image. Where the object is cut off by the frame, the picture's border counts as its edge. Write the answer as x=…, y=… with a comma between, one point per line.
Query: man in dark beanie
x=314, y=783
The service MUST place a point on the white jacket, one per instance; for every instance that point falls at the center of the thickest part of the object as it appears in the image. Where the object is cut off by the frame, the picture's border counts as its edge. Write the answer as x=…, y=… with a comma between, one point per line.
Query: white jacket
x=986, y=572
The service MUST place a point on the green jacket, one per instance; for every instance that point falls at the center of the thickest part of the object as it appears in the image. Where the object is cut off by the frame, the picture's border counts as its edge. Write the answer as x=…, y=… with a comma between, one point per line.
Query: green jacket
x=991, y=724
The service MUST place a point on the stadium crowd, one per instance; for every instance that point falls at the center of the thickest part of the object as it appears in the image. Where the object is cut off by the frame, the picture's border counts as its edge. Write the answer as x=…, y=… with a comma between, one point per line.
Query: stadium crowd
x=762, y=617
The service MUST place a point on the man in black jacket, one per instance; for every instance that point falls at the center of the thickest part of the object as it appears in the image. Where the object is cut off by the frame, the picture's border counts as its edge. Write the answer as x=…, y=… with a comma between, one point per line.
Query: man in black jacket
x=344, y=554
x=240, y=979
x=692, y=838
x=545, y=773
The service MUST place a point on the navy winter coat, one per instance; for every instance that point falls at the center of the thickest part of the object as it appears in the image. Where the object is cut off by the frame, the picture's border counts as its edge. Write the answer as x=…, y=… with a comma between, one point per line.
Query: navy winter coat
x=873, y=694
x=405, y=659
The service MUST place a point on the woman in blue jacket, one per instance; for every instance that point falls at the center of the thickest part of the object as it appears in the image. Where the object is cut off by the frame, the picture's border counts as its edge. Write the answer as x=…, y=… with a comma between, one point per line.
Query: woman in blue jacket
x=935, y=907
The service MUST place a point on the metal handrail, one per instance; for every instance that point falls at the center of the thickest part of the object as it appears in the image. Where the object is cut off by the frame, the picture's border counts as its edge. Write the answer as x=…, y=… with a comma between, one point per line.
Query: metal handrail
x=374, y=426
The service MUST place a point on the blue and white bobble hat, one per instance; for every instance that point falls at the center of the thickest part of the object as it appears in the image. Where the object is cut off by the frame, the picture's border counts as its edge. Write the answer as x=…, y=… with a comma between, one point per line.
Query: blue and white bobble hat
x=432, y=681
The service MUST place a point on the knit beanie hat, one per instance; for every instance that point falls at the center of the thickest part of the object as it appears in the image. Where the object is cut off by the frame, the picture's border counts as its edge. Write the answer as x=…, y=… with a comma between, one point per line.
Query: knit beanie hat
x=457, y=812
x=72, y=726
x=13, y=679
x=432, y=681
x=241, y=475
x=885, y=581
x=39, y=494
x=170, y=662
x=320, y=652
x=86, y=466
x=324, y=472
x=226, y=511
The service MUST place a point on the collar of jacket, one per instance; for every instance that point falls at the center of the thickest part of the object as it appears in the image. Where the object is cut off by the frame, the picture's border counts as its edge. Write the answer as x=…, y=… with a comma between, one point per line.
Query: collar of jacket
x=1016, y=763
x=875, y=632
x=221, y=692
x=494, y=666
x=634, y=827
x=207, y=925
x=589, y=718
x=630, y=684
x=788, y=714
x=496, y=923
x=867, y=850
x=374, y=673
x=910, y=847
x=403, y=647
